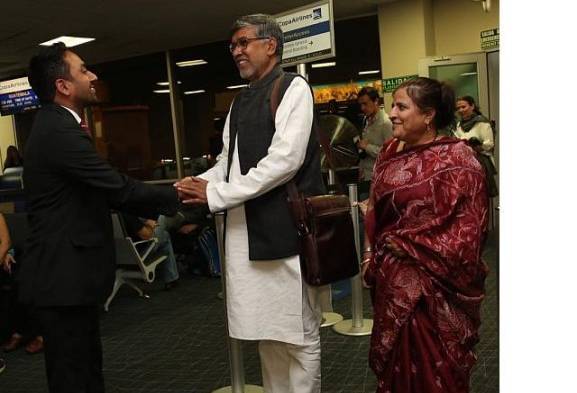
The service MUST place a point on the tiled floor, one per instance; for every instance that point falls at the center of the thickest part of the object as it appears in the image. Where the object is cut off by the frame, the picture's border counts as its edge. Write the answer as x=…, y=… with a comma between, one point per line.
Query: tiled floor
x=174, y=343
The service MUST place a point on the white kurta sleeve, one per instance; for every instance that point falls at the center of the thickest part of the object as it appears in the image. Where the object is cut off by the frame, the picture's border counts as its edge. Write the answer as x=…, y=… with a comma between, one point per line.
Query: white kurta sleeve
x=218, y=171
x=284, y=158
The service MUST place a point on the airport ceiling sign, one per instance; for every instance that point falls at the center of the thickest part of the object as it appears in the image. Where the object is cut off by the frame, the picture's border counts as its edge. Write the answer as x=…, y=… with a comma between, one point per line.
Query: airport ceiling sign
x=308, y=33
x=17, y=96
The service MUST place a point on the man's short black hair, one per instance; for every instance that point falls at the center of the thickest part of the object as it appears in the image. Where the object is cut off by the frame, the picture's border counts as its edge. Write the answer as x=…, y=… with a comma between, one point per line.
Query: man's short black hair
x=369, y=91
x=45, y=68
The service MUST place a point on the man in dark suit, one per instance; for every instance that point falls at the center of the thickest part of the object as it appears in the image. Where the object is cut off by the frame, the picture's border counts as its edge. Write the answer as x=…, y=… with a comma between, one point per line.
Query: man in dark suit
x=69, y=262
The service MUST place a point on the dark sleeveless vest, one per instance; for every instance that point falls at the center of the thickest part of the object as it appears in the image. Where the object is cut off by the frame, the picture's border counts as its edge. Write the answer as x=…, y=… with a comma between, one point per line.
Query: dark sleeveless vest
x=272, y=233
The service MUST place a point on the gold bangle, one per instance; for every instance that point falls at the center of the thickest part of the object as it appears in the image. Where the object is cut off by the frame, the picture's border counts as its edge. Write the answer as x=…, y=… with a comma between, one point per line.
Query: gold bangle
x=368, y=260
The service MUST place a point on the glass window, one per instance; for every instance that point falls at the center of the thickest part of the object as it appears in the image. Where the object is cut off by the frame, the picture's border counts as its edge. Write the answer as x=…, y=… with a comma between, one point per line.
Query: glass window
x=462, y=77
x=132, y=126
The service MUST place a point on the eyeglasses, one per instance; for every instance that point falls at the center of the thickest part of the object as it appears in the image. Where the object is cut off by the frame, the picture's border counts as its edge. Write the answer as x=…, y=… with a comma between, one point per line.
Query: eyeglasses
x=243, y=42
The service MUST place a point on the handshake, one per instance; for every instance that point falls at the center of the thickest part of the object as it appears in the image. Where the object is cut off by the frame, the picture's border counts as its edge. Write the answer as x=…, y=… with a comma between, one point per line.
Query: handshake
x=192, y=190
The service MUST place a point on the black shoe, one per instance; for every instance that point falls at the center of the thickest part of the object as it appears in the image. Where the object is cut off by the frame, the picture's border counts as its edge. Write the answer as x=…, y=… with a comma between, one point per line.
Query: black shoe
x=2, y=365
x=169, y=285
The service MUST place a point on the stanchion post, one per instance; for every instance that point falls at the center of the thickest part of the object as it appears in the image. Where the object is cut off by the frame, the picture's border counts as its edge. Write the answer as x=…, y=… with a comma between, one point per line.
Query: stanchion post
x=330, y=318
x=236, y=366
x=356, y=285
x=357, y=326
x=235, y=358
x=332, y=177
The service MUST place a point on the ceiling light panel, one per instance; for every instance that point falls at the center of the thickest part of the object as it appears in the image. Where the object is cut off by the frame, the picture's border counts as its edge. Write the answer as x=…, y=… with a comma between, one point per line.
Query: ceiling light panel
x=323, y=65
x=194, y=92
x=191, y=63
x=369, y=72
x=236, y=87
x=69, y=41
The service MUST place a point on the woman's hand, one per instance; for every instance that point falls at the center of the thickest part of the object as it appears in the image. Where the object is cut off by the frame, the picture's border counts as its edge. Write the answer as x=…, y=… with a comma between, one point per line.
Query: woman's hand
x=367, y=260
x=395, y=249
x=7, y=263
x=362, y=144
x=363, y=207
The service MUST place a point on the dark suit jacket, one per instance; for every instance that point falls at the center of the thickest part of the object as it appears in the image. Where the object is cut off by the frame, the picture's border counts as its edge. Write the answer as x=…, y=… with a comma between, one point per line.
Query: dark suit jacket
x=69, y=255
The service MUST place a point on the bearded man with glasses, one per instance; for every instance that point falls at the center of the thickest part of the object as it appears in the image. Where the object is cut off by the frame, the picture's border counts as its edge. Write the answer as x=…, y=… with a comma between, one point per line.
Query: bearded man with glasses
x=266, y=296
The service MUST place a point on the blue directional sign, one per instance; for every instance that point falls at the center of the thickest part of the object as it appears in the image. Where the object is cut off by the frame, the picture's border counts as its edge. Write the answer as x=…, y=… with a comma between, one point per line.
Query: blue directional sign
x=308, y=33
x=17, y=96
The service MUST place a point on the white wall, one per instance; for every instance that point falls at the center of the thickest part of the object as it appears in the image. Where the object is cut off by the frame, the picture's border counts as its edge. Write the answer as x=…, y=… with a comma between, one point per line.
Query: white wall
x=413, y=29
x=458, y=25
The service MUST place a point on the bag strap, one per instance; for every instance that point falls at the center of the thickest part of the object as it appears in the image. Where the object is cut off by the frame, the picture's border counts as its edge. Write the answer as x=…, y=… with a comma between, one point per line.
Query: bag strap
x=321, y=136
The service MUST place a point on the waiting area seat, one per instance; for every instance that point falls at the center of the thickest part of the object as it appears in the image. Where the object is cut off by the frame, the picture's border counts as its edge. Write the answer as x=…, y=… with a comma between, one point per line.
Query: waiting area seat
x=12, y=197
x=135, y=260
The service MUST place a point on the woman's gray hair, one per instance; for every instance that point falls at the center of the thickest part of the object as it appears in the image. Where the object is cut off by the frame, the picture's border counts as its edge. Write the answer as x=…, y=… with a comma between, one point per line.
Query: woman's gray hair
x=265, y=25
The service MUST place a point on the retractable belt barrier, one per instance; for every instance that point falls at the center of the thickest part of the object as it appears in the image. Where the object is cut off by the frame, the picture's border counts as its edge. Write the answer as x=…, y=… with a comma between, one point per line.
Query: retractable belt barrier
x=357, y=326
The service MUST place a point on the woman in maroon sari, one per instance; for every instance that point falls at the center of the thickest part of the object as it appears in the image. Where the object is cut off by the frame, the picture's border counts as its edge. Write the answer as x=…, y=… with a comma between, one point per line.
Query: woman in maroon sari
x=425, y=227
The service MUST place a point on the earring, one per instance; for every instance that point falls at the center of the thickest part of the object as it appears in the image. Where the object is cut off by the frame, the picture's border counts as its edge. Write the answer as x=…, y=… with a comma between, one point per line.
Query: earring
x=428, y=127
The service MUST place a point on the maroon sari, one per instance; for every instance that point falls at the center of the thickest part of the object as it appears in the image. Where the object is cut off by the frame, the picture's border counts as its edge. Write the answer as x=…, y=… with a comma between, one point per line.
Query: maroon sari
x=431, y=201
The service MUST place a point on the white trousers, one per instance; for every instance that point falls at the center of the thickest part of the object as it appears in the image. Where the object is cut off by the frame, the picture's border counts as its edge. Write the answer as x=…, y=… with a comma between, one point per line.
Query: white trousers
x=290, y=368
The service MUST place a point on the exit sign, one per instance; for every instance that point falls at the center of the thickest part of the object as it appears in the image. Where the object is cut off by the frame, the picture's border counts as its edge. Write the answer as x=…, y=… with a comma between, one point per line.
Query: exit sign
x=390, y=84
x=490, y=39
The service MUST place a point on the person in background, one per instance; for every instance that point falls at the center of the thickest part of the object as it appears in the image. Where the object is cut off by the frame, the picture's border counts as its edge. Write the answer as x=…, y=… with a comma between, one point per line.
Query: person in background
x=146, y=229
x=13, y=158
x=6, y=261
x=476, y=129
x=185, y=228
x=473, y=125
x=215, y=144
x=6, y=252
x=377, y=129
x=353, y=113
x=259, y=157
x=425, y=227
x=22, y=322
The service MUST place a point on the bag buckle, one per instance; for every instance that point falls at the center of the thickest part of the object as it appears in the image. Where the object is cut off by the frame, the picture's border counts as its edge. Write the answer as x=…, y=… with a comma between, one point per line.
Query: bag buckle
x=303, y=230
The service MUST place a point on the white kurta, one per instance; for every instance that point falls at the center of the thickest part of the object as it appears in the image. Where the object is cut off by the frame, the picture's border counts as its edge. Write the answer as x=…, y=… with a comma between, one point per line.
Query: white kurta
x=264, y=298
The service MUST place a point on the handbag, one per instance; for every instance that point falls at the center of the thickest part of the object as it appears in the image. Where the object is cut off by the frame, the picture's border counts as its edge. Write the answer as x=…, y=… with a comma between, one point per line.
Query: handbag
x=324, y=224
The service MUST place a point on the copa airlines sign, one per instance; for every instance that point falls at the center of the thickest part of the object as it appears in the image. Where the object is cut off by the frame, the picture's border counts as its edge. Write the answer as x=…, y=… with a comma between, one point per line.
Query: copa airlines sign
x=293, y=20
x=308, y=33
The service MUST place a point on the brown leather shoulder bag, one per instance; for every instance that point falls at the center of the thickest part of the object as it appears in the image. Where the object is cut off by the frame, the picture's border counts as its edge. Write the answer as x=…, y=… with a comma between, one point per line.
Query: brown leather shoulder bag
x=324, y=223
